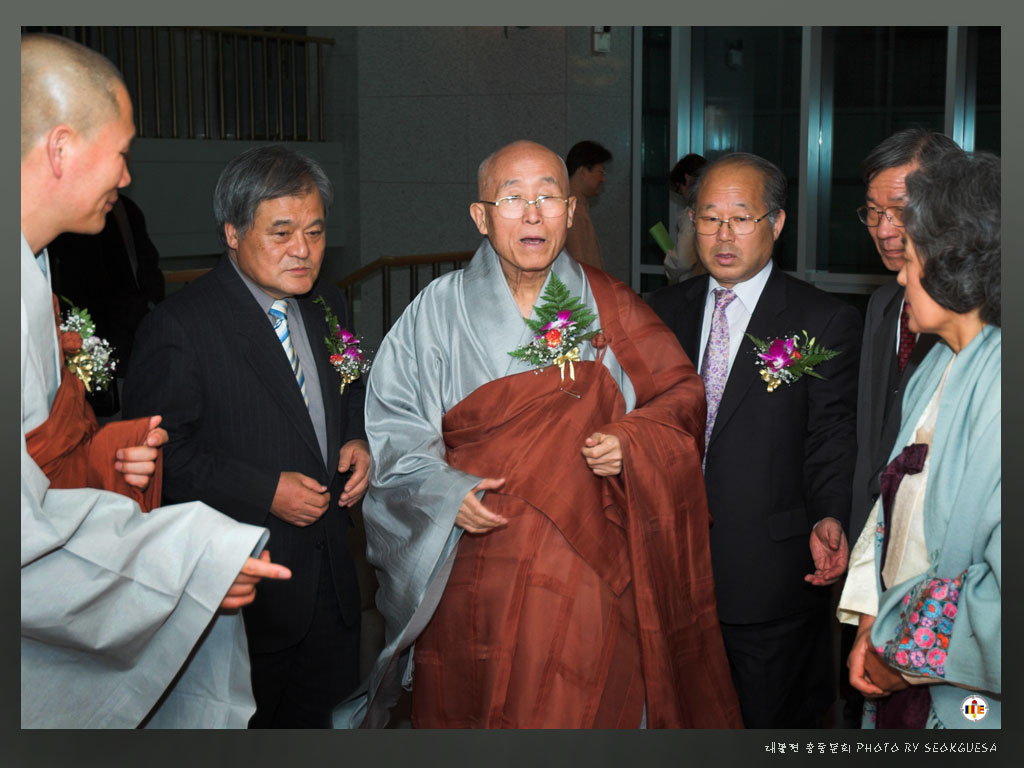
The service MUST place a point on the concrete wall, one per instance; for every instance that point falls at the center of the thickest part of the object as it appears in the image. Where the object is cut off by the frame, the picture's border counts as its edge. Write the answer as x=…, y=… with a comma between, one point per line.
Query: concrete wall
x=434, y=101
x=410, y=113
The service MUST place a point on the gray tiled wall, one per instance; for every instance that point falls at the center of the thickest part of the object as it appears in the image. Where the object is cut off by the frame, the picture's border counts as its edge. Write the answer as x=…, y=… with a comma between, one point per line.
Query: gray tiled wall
x=410, y=113
x=434, y=101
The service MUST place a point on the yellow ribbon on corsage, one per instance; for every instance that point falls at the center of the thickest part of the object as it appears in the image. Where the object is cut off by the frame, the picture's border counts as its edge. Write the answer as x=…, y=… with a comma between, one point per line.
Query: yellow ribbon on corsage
x=347, y=379
x=570, y=357
x=81, y=366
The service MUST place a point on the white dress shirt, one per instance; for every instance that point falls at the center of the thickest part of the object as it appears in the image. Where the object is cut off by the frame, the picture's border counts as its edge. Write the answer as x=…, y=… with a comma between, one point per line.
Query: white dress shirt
x=737, y=313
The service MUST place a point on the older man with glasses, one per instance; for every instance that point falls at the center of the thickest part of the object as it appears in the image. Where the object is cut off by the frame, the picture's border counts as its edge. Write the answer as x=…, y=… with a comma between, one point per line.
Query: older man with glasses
x=536, y=513
x=890, y=351
x=779, y=440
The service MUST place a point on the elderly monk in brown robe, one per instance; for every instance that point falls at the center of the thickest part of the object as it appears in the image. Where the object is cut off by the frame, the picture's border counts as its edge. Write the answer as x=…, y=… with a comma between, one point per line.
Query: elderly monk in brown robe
x=542, y=536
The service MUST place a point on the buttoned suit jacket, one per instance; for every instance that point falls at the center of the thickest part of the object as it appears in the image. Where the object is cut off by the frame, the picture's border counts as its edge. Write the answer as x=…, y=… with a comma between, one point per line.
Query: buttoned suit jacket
x=209, y=361
x=776, y=462
x=880, y=396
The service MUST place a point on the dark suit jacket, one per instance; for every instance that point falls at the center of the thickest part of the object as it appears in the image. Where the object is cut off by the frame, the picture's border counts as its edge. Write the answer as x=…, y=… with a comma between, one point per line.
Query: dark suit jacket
x=777, y=462
x=879, y=396
x=207, y=359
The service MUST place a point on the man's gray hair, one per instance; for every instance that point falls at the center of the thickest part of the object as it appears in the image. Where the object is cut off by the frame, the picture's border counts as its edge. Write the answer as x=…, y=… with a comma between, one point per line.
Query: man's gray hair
x=773, y=180
x=910, y=145
x=265, y=173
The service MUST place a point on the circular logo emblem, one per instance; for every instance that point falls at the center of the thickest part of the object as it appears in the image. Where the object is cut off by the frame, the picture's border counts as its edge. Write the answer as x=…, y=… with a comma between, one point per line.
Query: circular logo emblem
x=974, y=708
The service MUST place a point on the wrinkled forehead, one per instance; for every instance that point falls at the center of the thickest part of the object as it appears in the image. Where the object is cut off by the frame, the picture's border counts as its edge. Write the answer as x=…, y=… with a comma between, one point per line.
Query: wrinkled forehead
x=527, y=167
x=890, y=184
x=308, y=200
x=732, y=184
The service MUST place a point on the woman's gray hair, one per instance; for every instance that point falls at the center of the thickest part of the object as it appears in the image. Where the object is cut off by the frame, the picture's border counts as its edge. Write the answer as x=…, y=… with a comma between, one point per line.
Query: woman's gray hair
x=774, y=180
x=265, y=173
x=952, y=217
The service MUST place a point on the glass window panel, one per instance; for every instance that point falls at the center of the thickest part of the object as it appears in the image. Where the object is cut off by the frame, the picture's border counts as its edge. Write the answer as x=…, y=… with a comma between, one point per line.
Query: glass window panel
x=883, y=79
x=875, y=81
x=654, y=140
x=654, y=205
x=649, y=282
x=985, y=45
x=752, y=104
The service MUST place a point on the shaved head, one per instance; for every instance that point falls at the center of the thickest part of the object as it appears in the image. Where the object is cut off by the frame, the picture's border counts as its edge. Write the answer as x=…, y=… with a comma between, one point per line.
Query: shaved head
x=64, y=83
x=485, y=180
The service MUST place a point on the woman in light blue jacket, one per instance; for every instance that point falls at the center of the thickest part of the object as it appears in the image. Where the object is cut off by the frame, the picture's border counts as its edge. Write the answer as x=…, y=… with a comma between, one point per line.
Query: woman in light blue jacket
x=925, y=575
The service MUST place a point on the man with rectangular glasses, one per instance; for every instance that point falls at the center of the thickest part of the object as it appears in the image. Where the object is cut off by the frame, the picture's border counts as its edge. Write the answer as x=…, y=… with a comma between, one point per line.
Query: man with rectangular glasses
x=890, y=351
x=778, y=459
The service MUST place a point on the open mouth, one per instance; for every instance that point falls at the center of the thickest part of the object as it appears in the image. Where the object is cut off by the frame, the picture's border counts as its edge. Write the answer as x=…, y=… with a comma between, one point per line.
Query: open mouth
x=532, y=240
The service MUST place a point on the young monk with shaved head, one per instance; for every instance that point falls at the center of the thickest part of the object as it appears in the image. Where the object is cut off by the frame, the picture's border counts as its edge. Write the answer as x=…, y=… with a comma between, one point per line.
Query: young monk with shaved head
x=113, y=600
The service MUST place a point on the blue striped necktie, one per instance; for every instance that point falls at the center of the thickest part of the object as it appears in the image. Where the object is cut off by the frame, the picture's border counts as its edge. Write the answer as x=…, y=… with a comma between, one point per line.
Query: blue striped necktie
x=279, y=313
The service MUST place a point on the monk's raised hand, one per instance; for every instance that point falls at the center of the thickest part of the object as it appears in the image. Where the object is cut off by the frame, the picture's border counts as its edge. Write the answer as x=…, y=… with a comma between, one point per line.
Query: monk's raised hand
x=603, y=454
x=473, y=516
x=243, y=590
x=138, y=463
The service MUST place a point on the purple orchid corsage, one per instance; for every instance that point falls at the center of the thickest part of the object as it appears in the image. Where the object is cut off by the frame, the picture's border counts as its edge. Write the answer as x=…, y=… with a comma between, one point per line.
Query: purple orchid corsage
x=786, y=359
x=347, y=356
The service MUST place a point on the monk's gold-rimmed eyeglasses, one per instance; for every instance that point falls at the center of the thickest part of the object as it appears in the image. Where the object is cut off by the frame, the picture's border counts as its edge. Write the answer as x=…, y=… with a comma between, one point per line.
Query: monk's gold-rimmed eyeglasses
x=514, y=206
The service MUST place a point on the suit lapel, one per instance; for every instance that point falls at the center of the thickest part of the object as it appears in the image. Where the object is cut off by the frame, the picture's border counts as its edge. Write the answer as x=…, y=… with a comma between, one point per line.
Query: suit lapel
x=764, y=324
x=330, y=379
x=884, y=347
x=262, y=350
x=689, y=316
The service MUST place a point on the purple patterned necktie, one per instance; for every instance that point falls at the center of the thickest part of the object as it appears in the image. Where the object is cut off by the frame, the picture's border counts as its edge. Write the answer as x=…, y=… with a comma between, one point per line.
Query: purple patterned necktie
x=714, y=368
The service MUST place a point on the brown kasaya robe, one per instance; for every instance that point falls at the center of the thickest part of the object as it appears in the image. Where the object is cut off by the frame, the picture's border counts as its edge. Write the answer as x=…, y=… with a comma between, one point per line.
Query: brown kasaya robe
x=597, y=597
x=75, y=452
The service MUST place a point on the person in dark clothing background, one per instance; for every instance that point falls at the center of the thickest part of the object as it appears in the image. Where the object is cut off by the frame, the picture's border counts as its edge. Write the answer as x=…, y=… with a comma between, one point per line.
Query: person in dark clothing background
x=116, y=276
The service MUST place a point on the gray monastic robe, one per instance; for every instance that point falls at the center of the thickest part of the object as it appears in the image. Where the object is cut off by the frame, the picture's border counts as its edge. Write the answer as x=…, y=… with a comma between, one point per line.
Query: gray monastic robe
x=453, y=338
x=113, y=601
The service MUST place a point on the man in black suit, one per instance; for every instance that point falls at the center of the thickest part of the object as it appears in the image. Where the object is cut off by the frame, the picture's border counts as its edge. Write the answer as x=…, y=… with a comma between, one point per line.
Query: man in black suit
x=884, y=371
x=778, y=464
x=890, y=351
x=236, y=363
